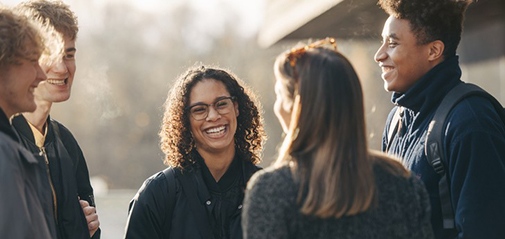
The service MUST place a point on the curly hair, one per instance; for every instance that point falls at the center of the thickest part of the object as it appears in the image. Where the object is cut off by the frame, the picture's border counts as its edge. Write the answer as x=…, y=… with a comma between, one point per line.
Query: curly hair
x=431, y=20
x=52, y=12
x=18, y=39
x=175, y=133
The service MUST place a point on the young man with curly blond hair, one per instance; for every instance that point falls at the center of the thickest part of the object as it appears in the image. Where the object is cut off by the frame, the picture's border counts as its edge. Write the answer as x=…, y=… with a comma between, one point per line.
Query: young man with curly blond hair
x=23, y=196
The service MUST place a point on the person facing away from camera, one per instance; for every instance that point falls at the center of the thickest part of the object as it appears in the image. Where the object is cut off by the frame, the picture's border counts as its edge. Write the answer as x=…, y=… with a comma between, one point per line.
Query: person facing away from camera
x=212, y=136
x=326, y=182
x=22, y=214
x=73, y=203
x=420, y=66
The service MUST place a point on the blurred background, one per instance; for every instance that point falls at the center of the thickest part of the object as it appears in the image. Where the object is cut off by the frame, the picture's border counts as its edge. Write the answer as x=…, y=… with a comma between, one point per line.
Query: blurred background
x=131, y=51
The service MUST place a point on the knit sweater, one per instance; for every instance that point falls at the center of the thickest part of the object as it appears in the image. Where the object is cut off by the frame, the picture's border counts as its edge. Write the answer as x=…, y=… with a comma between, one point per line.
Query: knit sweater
x=270, y=210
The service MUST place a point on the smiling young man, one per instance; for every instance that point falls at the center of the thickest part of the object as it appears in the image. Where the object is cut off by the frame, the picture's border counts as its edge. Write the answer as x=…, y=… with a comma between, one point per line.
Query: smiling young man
x=73, y=199
x=22, y=213
x=420, y=66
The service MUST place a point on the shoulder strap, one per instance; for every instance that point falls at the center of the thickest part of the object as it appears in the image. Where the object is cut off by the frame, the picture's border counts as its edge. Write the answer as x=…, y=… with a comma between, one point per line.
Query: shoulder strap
x=434, y=148
x=170, y=177
x=394, y=125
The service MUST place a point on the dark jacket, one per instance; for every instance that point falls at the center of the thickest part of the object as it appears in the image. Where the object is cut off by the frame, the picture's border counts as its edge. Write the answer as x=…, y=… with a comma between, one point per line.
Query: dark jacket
x=474, y=144
x=69, y=175
x=22, y=214
x=218, y=209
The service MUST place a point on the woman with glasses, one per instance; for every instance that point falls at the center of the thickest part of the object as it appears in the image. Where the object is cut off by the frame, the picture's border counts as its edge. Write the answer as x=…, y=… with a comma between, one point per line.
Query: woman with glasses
x=326, y=182
x=212, y=136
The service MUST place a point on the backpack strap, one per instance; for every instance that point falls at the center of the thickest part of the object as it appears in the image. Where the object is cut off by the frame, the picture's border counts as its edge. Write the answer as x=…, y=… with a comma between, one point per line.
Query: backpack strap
x=434, y=146
x=170, y=176
x=394, y=125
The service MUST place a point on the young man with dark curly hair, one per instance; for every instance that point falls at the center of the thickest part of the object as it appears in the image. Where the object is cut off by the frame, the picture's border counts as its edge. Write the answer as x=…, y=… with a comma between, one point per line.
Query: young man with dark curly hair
x=420, y=66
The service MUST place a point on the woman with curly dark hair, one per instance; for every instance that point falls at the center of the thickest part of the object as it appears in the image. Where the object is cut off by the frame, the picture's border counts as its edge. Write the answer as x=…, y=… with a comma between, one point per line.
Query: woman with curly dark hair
x=212, y=136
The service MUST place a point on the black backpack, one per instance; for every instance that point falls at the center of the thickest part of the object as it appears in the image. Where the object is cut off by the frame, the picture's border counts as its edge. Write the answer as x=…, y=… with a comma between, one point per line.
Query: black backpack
x=433, y=145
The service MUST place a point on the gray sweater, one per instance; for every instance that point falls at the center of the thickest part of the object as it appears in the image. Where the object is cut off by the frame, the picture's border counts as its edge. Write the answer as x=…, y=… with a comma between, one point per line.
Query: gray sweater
x=270, y=210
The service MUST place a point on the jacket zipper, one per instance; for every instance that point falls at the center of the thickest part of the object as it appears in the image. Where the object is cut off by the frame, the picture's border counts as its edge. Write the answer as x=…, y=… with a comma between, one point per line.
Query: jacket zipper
x=55, y=207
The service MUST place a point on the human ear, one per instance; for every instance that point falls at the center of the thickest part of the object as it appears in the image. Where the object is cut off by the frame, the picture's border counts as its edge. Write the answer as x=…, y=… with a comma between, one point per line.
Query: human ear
x=436, y=50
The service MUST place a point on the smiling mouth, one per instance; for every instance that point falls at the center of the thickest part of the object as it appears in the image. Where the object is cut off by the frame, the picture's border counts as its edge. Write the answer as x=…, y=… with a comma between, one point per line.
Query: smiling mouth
x=216, y=130
x=57, y=82
x=387, y=68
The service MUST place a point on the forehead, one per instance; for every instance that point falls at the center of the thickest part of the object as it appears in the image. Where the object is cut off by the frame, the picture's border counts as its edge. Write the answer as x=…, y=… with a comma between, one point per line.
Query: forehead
x=207, y=90
x=68, y=42
x=396, y=28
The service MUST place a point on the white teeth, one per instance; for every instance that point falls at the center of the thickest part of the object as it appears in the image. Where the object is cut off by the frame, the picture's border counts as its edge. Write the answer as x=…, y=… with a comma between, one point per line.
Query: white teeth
x=386, y=68
x=55, y=82
x=215, y=130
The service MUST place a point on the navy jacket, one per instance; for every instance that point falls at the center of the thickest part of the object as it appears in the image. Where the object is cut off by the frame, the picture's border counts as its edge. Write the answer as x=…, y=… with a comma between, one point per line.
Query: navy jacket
x=69, y=176
x=474, y=144
x=149, y=215
x=22, y=197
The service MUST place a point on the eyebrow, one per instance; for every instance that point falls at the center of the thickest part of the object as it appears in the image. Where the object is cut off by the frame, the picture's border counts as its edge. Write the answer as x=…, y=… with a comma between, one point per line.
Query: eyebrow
x=202, y=103
x=70, y=49
x=393, y=36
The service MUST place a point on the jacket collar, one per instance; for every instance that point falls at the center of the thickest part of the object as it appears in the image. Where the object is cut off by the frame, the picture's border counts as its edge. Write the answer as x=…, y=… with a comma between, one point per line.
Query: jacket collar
x=22, y=127
x=6, y=127
x=241, y=166
x=428, y=91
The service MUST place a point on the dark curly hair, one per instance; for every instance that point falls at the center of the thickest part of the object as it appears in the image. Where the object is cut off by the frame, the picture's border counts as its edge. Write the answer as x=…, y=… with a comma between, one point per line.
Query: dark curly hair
x=176, y=140
x=431, y=20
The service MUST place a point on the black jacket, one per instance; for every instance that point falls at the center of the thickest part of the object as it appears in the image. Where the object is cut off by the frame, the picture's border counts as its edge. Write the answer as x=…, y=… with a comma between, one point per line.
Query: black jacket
x=22, y=214
x=216, y=215
x=69, y=176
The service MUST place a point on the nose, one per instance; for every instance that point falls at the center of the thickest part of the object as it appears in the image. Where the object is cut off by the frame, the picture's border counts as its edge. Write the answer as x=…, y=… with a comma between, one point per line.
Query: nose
x=40, y=75
x=213, y=114
x=380, y=55
x=59, y=67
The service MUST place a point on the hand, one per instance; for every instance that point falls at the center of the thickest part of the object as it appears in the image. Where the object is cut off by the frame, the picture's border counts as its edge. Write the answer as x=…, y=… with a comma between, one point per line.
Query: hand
x=91, y=217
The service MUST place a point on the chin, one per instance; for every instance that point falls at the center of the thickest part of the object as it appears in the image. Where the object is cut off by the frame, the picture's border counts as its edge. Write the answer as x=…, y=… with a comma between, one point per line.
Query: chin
x=28, y=108
x=61, y=99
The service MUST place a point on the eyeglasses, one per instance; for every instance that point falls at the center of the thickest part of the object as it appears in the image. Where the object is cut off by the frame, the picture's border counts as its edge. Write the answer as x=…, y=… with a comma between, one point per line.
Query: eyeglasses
x=296, y=53
x=223, y=106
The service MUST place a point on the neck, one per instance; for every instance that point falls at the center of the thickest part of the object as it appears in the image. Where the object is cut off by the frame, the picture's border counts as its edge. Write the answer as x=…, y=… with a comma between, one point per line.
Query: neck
x=38, y=117
x=218, y=162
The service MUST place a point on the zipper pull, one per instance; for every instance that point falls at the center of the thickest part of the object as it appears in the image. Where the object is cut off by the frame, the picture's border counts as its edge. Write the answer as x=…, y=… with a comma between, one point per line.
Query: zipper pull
x=43, y=153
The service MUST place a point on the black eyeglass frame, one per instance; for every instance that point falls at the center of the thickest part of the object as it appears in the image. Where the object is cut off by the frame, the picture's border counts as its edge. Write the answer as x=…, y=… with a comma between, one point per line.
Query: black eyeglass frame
x=204, y=116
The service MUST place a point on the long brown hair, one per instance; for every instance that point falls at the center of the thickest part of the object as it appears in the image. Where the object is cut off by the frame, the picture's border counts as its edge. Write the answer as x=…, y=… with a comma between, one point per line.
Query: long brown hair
x=326, y=144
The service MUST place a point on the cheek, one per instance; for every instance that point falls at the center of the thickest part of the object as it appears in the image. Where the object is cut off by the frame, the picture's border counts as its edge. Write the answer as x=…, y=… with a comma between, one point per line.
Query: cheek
x=277, y=107
x=194, y=127
x=71, y=67
x=282, y=114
